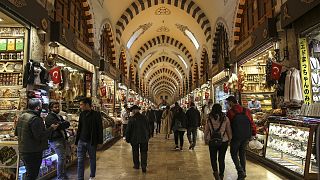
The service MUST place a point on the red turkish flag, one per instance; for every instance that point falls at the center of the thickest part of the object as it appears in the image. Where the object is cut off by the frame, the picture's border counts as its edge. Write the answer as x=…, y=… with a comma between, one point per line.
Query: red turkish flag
x=206, y=95
x=103, y=91
x=276, y=71
x=55, y=74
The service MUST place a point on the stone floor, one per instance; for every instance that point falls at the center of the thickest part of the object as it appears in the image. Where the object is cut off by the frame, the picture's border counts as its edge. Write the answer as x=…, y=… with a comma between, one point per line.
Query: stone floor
x=164, y=163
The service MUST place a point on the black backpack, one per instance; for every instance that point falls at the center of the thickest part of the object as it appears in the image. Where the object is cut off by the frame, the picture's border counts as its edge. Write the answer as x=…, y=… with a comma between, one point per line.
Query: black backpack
x=241, y=126
x=216, y=136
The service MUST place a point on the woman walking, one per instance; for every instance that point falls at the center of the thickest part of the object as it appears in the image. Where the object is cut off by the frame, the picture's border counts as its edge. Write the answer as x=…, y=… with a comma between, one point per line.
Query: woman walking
x=166, y=122
x=179, y=126
x=217, y=134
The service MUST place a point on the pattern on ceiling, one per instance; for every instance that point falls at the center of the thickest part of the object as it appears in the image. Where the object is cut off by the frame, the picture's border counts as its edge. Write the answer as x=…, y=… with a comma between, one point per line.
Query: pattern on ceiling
x=204, y=66
x=164, y=71
x=161, y=60
x=164, y=78
x=159, y=84
x=186, y=5
x=163, y=29
x=163, y=90
x=163, y=86
x=162, y=11
x=153, y=86
x=163, y=39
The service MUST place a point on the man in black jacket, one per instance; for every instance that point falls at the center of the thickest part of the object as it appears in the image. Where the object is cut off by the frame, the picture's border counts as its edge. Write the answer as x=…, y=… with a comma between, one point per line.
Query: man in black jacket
x=137, y=135
x=32, y=138
x=151, y=117
x=58, y=138
x=89, y=135
x=193, y=122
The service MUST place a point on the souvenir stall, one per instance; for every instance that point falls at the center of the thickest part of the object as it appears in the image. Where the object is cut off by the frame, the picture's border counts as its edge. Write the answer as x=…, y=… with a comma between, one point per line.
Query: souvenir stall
x=221, y=89
x=16, y=86
x=205, y=94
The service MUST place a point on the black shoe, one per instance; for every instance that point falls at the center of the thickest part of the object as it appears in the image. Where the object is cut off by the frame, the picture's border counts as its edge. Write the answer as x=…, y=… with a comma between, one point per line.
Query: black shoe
x=136, y=167
x=190, y=147
x=176, y=148
x=181, y=149
x=144, y=170
x=241, y=175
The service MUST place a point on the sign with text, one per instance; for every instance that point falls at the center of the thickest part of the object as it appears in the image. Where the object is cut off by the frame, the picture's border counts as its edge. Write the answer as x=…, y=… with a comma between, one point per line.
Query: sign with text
x=305, y=70
x=245, y=45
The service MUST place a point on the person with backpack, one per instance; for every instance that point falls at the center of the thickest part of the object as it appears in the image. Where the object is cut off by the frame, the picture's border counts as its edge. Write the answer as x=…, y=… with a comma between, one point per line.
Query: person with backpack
x=243, y=129
x=217, y=134
x=179, y=127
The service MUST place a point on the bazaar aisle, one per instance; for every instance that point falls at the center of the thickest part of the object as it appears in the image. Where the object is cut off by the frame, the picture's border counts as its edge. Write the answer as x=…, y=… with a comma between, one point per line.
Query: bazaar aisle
x=165, y=163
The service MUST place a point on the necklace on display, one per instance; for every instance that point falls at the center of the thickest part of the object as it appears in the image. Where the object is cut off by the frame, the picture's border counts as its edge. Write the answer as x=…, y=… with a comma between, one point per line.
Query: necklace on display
x=315, y=77
x=314, y=63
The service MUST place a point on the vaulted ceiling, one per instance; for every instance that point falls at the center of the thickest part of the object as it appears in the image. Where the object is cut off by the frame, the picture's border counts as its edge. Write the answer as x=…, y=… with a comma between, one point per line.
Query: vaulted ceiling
x=162, y=51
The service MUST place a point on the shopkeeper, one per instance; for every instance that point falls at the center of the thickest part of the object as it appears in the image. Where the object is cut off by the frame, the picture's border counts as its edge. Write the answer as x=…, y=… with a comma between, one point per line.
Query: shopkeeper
x=254, y=105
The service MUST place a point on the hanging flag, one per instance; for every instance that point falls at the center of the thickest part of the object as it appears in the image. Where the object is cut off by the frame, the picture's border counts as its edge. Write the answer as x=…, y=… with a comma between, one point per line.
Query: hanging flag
x=276, y=71
x=55, y=74
x=103, y=91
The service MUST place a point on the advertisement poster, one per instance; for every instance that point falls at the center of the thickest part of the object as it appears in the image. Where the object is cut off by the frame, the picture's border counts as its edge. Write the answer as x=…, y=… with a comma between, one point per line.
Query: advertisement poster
x=9, y=162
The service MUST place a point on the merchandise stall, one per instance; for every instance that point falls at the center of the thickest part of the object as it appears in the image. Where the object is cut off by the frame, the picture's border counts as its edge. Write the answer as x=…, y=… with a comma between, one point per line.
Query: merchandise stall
x=221, y=88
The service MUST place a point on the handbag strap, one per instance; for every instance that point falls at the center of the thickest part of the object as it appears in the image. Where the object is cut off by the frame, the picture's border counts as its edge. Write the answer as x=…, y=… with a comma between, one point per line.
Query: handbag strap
x=216, y=129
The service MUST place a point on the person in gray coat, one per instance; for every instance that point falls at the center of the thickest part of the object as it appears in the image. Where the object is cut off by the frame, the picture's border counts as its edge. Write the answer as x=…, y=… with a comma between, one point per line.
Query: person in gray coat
x=137, y=134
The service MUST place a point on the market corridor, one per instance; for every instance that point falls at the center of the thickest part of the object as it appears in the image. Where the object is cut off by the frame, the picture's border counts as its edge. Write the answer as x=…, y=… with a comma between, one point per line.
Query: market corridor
x=166, y=164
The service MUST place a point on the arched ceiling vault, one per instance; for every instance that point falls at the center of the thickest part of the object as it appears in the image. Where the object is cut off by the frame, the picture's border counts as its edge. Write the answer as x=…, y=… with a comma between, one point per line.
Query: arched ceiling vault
x=173, y=87
x=162, y=52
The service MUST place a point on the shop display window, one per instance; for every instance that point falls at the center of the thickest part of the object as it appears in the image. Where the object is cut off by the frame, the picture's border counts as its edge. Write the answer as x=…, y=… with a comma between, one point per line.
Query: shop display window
x=292, y=146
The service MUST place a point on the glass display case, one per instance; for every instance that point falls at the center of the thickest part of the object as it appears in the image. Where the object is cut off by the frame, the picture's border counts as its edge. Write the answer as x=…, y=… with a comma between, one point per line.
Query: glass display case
x=291, y=145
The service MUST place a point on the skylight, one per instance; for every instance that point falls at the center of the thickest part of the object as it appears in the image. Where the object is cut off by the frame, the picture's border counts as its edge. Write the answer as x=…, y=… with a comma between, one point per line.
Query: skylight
x=145, y=59
x=184, y=62
x=134, y=37
x=192, y=38
x=178, y=73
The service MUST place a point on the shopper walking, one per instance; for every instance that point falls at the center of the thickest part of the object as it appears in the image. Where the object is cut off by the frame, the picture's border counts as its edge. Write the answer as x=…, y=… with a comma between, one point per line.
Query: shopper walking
x=179, y=126
x=193, y=122
x=243, y=128
x=125, y=119
x=205, y=112
x=32, y=138
x=137, y=135
x=166, y=122
x=58, y=138
x=158, y=120
x=89, y=135
x=217, y=134
x=152, y=116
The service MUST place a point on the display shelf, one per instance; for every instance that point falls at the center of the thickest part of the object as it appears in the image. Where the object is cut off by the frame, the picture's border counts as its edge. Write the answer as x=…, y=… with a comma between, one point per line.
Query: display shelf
x=10, y=72
x=11, y=37
x=11, y=60
x=257, y=92
x=305, y=142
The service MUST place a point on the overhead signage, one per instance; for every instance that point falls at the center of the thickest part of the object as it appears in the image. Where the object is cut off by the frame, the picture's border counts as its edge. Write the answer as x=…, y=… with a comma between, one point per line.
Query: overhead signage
x=245, y=45
x=83, y=48
x=305, y=70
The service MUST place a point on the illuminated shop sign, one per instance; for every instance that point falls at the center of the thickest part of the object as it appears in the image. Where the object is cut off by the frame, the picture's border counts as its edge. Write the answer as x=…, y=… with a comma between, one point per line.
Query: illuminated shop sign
x=305, y=70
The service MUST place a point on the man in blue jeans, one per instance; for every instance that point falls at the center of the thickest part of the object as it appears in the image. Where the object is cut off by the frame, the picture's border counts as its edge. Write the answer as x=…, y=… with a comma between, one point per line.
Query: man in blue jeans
x=89, y=135
x=58, y=138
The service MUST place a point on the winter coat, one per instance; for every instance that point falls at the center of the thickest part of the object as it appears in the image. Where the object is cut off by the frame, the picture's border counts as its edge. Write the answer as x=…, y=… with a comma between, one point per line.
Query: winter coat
x=60, y=132
x=179, y=122
x=193, y=117
x=137, y=130
x=166, y=122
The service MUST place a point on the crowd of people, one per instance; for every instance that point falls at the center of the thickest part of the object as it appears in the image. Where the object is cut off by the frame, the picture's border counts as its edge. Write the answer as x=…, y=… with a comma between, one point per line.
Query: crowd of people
x=235, y=128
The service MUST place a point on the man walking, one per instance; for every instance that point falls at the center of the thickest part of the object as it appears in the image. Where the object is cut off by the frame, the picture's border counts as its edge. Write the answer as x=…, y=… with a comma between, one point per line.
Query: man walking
x=152, y=117
x=89, y=135
x=137, y=135
x=243, y=128
x=125, y=119
x=193, y=122
x=32, y=138
x=58, y=138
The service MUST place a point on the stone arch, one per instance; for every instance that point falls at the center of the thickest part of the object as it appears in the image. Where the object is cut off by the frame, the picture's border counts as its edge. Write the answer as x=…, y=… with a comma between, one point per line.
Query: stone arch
x=161, y=40
x=163, y=59
x=107, y=45
x=204, y=64
x=220, y=46
x=188, y=6
x=123, y=66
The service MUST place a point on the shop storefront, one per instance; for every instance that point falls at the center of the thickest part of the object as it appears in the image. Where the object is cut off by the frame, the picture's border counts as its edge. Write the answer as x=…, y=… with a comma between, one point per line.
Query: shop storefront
x=18, y=28
x=220, y=88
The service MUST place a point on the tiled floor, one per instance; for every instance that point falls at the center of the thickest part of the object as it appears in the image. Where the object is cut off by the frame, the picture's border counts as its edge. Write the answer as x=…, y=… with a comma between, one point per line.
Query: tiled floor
x=166, y=164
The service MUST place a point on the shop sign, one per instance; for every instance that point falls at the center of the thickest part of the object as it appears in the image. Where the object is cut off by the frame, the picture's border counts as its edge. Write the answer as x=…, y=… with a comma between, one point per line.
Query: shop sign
x=305, y=70
x=83, y=48
x=245, y=45
x=26, y=9
x=290, y=12
x=262, y=35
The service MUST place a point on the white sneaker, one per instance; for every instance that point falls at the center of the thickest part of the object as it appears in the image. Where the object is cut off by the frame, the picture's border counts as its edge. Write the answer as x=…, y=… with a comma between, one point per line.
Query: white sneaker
x=124, y=138
x=92, y=178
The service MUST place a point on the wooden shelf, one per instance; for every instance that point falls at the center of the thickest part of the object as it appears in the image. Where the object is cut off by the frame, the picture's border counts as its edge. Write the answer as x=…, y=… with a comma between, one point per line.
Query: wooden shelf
x=11, y=60
x=257, y=92
x=11, y=72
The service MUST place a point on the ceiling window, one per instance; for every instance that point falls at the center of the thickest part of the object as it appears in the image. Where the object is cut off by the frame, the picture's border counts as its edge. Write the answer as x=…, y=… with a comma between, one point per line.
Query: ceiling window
x=145, y=59
x=189, y=34
x=184, y=62
x=178, y=73
x=141, y=29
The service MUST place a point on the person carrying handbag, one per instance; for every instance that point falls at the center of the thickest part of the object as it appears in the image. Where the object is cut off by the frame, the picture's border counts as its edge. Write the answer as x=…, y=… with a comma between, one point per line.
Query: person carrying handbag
x=217, y=135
